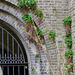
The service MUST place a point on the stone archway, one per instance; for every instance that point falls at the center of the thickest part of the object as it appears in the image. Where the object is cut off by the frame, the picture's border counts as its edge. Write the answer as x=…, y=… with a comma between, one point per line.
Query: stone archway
x=11, y=15
x=13, y=20
x=11, y=53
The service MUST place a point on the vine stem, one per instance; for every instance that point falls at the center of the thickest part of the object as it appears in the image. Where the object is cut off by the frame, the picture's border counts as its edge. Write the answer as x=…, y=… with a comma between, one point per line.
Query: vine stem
x=44, y=53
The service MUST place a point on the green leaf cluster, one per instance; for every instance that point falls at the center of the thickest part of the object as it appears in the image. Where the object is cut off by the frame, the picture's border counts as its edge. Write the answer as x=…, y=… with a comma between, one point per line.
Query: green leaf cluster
x=67, y=67
x=26, y=67
x=71, y=73
x=39, y=13
x=69, y=53
x=28, y=3
x=69, y=34
x=37, y=55
x=32, y=69
x=67, y=20
x=20, y=3
x=68, y=41
x=27, y=18
x=39, y=32
x=51, y=34
x=54, y=8
x=40, y=60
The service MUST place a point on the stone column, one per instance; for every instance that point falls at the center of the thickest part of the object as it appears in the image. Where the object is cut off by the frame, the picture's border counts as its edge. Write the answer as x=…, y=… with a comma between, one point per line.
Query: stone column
x=72, y=13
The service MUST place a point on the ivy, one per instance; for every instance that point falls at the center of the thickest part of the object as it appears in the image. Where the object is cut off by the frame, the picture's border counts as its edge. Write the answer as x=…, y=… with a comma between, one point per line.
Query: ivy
x=30, y=3
x=46, y=30
x=40, y=60
x=20, y=3
x=67, y=20
x=37, y=55
x=69, y=53
x=54, y=7
x=32, y=69
x=27, y=3
x=68, y=41
x=39, y=32
x=39, y=13
x=27, y=18
x=51, y=34
x=71, y=73
x=26, y=67
x=69, y=34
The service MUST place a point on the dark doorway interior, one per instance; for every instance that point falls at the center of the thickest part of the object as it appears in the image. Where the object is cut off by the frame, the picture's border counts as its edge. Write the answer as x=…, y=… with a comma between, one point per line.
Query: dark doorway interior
x=14, y=70
x=13, y=59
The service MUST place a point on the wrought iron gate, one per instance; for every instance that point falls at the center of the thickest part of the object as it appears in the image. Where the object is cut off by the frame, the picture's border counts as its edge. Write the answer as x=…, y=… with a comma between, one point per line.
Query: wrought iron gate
x=12, y=58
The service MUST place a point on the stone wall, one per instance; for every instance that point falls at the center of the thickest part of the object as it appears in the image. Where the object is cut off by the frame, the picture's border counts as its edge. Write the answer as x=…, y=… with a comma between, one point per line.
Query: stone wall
x=53, y=21
x=72, y=13
x=10, y=13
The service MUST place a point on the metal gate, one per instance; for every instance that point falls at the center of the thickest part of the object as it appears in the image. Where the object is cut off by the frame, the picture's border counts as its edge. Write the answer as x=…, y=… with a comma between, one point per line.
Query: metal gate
x=12, y=57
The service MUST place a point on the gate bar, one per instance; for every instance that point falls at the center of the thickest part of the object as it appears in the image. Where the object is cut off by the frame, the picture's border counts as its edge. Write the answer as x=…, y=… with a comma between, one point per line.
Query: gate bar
x=2, y=44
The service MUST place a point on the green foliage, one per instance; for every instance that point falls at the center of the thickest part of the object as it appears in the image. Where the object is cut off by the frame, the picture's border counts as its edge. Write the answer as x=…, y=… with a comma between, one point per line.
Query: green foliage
x=71, y=73
x=37, y=55
x=26, y=67
x=69, y=53
x=54, y=8
x=51, y=34
x=71, y=63
x=67, y=20
x=40, y=60
x=28, y=3
x=65, y=72
x=69, y=34
x=20, y=3
x=39, y=32
x=27, y=18
x=68, y=41
x=65, y=68
x=60, y=63
x=69, y=66
x=32, y=69
x=46, y=30
x=39, y=13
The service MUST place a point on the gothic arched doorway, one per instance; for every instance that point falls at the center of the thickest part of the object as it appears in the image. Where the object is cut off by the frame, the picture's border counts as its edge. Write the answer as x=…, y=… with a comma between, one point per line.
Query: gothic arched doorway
x=13, y=59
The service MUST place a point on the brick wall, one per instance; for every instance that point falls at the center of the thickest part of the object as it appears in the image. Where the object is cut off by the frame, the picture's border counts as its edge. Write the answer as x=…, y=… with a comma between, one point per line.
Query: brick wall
x=72, y=13
x=52, y=21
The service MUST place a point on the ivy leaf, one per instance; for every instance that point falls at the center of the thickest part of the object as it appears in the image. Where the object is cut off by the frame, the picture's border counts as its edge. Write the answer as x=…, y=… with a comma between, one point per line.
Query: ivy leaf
x=69, y=66
x=65, y=68
x=71, y=73
x=67, y=20
x=26, y=67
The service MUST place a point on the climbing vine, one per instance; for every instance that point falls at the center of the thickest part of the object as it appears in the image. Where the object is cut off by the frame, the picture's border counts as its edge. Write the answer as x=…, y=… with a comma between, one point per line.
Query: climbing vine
x=27, y=18
x=39, y=32
x=30, y=4
x=30, y=26
x=51, y=35
x=31, y=29
x=68, y=41
x=39, y=13
x=67, y=20
x=69, y=53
